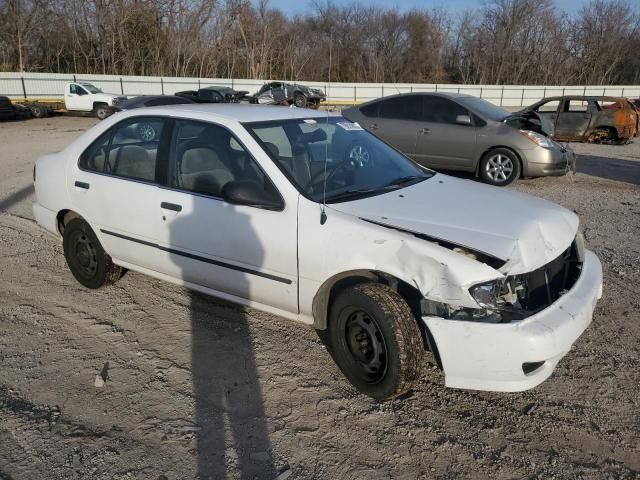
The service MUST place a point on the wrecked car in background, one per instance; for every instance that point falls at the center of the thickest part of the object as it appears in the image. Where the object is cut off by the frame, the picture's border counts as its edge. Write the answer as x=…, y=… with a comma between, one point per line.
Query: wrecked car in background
x=279, y=93
x=452, y=131
x=386, y=258
x=588, y=119
x=214, y=95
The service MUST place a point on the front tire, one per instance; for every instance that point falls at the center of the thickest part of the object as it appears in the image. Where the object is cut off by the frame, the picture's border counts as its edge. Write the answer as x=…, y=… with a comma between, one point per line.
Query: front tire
x=375, y=340
x=87, y=260
x=101, y=112
x=499, y=167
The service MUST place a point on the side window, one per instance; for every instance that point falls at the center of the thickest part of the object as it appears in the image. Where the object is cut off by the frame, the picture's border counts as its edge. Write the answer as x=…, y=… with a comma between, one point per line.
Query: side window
x=128, y=150
x=441, y=110
x=371, y=110
x=549, y=107
x=73, y=88
x=403, y=108
x=205, y=157
x=580, y=106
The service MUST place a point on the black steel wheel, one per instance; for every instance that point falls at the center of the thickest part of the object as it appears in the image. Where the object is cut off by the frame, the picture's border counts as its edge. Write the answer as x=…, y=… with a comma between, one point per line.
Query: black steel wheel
x=375, y=340
x=86, y=258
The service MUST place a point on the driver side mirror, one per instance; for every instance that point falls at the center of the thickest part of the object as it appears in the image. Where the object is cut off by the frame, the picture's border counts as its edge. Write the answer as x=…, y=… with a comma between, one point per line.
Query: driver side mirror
x=463, y=120
x=246, y=192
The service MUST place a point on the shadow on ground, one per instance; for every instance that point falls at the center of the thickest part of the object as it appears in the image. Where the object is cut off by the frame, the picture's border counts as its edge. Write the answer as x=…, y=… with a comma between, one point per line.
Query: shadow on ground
x=609, y=168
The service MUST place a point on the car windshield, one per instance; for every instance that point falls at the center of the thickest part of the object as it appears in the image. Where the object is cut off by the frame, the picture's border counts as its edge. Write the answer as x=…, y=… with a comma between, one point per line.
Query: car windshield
x=91, y=88
x=336, y=158
x=484, y=108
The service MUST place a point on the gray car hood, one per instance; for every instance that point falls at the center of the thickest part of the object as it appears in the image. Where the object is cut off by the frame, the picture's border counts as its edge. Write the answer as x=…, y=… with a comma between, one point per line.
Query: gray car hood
x=526, y=232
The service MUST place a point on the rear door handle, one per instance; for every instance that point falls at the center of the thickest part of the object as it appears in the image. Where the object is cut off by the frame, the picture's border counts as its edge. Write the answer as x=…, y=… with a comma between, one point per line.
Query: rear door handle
x=424, y=131
x=84, y=185
x=171, y=206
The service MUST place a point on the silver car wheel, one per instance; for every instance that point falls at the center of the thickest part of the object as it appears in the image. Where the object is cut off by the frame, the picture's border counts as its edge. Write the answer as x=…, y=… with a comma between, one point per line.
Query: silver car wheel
x=359, y=155
x=499, y=167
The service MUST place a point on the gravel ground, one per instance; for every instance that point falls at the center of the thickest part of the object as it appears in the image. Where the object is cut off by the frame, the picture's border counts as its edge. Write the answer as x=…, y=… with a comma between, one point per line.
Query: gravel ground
x=194, y=384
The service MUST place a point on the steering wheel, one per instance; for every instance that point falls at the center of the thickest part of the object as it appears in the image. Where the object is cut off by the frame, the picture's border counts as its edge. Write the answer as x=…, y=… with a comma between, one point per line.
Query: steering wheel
x=356, y=156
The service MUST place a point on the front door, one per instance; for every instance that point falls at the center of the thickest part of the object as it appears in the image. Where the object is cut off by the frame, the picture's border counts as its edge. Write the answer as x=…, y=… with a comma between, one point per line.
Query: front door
x=442, y=142
x=573, y=120
x=77, y=98
x=117, y=187
x=242, y=251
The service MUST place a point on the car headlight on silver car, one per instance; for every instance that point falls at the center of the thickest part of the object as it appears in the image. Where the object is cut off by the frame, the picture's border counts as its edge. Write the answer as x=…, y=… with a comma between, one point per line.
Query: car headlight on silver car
x=537, y=138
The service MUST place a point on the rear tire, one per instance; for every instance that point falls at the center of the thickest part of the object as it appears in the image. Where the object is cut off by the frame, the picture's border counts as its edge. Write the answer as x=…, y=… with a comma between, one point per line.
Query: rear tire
x=375, y=340
x=299, y=100
x=87, y=260
x=499, y=167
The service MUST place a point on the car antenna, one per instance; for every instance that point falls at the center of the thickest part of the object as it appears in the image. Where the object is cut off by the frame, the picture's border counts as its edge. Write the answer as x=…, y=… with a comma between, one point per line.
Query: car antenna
x=323, y=213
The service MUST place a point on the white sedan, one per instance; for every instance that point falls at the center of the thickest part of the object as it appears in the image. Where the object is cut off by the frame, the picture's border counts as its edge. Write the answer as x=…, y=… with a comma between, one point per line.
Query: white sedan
x=307, y=216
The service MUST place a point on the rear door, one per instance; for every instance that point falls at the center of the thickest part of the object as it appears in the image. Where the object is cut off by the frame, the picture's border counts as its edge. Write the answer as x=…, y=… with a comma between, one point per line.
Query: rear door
x=442, y=142
x=574, y=119
x=397, y=122
x=117, y=186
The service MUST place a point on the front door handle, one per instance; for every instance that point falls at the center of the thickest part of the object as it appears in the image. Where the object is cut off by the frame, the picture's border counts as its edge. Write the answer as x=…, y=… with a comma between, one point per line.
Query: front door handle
x=84, y=185
x=424, y=131
x=171, y=206
x=373, y=126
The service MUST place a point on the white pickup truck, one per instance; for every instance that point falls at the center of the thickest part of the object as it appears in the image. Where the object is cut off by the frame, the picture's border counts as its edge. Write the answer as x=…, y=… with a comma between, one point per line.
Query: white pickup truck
x=85, y=97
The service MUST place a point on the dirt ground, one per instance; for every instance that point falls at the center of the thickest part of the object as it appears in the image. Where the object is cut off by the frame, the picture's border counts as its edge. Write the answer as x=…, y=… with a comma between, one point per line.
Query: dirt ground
x=198, y=388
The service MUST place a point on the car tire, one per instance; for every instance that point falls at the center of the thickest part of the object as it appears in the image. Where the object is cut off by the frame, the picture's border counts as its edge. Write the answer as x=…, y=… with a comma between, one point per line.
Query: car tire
x=38, y=111
x=499, y=167
x=101, y=112
x=299, y=100
x=374, y=339
x=87, y=260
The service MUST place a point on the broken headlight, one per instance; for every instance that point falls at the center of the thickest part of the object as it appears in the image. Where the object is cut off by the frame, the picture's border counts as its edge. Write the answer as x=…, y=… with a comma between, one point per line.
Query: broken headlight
x=504, y=296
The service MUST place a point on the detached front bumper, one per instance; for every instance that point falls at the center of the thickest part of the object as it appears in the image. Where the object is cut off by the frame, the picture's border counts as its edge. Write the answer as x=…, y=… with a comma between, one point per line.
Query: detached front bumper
x=483, y=356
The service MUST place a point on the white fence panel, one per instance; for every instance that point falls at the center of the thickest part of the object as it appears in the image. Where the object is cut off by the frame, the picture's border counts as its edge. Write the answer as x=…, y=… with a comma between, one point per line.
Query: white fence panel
x=51, y=85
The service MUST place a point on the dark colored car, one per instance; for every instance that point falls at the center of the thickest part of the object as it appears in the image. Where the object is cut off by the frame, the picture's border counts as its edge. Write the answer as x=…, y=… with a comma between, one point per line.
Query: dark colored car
x=10, y=111
x=142, y=101
x=451, y=131
x=588, y=119
x=280, y=93
x=214, y=95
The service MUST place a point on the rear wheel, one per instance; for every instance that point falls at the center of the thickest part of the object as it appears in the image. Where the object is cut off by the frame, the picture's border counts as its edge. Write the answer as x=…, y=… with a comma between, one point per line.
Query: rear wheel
x=38, y=111
x=499, y=167
x=299, y=100
x=375, y=341
x=86, y=258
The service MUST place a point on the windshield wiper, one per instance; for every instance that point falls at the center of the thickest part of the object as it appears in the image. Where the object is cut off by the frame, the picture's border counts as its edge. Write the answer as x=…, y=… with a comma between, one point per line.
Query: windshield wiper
x=351, y=193
x=403, y=180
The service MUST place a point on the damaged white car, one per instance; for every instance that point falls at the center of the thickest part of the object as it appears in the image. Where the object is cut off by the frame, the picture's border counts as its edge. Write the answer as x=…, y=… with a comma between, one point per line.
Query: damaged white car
x=312, y=218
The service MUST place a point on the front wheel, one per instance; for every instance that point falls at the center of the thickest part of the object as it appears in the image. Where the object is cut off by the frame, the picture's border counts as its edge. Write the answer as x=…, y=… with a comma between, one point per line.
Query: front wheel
x=499, y=167
x=101, y=112
x=87, y=260
x=375, y=340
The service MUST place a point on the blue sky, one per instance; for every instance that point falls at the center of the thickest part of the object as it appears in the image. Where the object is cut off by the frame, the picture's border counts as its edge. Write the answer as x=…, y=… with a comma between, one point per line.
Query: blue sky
x=292, y=7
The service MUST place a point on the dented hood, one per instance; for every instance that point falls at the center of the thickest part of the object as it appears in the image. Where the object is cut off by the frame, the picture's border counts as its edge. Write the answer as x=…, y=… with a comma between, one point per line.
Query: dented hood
x=526, y=232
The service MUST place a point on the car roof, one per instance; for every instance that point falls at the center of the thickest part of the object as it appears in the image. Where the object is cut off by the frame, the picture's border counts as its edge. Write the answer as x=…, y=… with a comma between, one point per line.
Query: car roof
x=409, y=94
x=238, y=112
